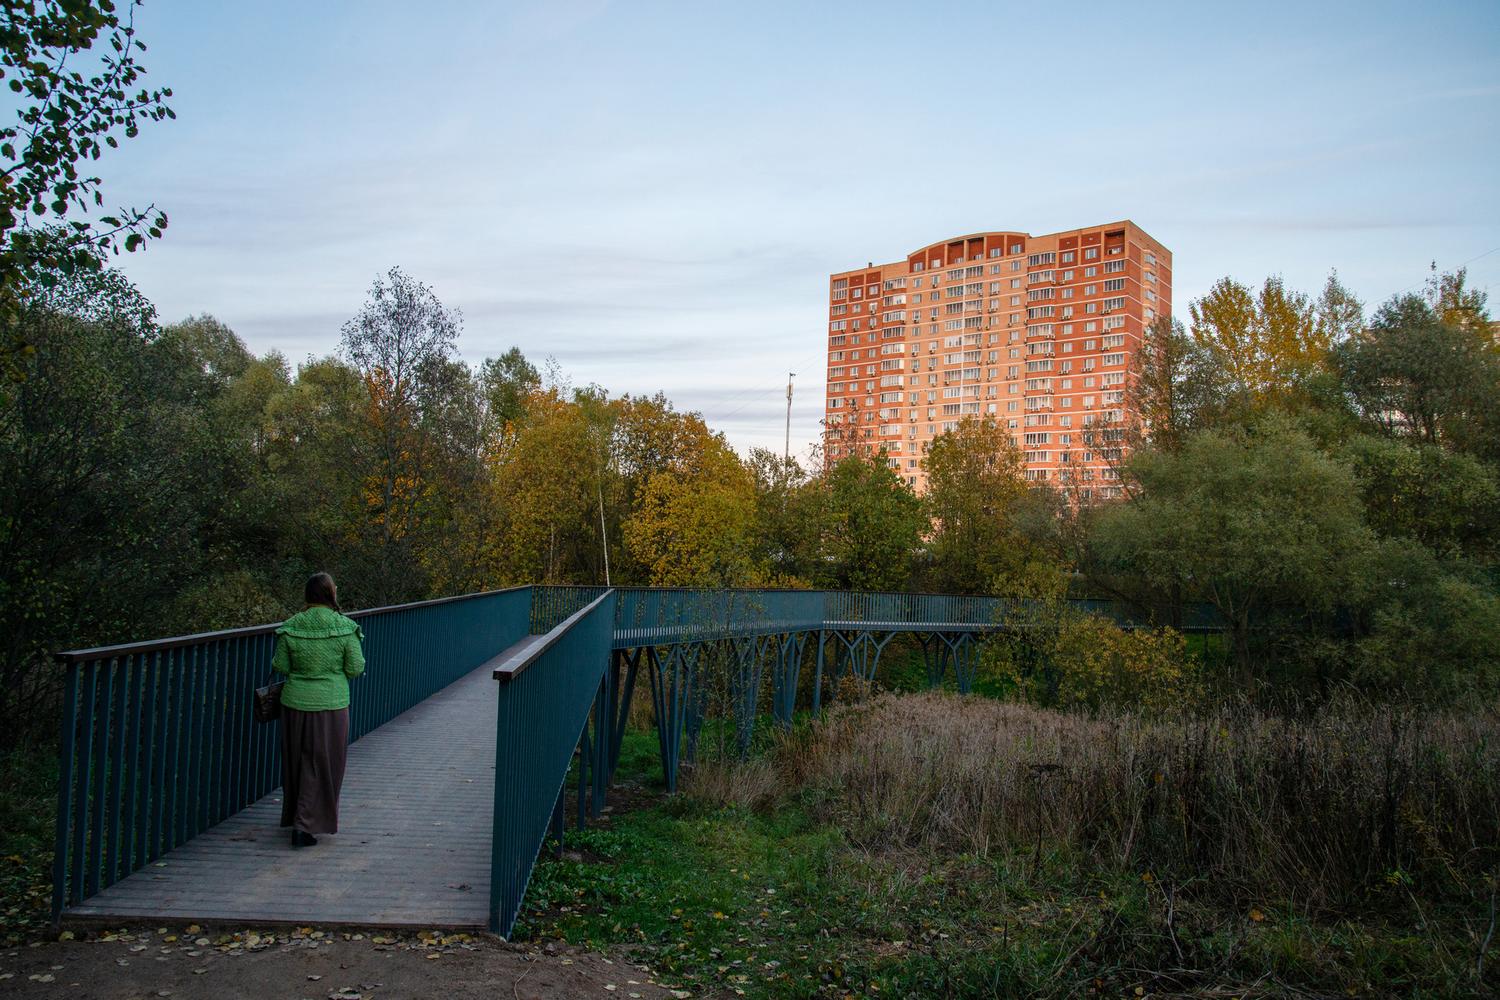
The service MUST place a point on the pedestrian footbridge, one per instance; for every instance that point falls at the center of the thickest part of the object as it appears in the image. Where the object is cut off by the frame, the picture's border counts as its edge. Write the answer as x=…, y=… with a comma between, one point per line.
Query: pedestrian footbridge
x=464, y=732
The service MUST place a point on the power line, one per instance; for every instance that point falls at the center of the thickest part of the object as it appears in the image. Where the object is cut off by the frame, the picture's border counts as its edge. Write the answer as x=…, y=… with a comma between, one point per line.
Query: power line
x=805, y=363
x=1460, y=267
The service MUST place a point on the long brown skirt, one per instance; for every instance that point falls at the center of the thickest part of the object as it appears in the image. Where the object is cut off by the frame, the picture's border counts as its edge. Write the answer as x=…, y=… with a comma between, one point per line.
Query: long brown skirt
x=313, y=746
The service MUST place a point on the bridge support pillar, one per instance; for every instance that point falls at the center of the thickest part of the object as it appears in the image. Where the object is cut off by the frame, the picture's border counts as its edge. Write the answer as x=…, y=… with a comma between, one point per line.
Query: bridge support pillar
x=817, y=703
x=789, y=650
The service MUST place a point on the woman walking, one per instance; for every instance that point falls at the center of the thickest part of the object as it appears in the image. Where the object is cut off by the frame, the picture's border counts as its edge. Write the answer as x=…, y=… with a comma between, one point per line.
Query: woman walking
x=319, y=651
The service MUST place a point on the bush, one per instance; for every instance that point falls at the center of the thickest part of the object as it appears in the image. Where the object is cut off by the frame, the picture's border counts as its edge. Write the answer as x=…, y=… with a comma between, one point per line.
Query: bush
x=1068, y=660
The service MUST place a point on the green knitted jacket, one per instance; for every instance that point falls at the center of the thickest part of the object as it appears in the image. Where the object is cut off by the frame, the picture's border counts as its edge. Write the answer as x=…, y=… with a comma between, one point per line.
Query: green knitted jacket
x=318, y=650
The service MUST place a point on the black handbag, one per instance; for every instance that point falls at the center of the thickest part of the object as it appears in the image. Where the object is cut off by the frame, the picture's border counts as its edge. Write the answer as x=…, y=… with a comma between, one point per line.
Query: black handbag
x=268, y=702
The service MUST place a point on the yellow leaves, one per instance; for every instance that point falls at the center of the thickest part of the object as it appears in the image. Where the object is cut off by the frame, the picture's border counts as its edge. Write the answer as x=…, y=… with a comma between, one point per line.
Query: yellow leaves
x=1101, y=663
x=694, y=529
x=1256, y=915
x=1265, y=341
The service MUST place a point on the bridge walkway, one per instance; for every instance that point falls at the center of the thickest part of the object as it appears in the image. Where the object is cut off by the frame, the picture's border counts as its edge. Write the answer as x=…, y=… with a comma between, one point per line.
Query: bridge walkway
x=413, y=847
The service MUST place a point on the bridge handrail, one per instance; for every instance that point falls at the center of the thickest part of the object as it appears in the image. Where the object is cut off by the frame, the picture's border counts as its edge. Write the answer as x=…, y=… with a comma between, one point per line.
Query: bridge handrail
x=196, y=638
x=515, y=666
x=532, y=761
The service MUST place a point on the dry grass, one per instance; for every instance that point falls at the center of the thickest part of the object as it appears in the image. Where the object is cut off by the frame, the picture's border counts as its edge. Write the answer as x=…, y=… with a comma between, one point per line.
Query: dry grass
x=721, y=780
x=1325, y=812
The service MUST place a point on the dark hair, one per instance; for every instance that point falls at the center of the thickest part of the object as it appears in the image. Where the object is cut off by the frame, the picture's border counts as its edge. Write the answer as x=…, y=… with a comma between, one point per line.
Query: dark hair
x=320, y=590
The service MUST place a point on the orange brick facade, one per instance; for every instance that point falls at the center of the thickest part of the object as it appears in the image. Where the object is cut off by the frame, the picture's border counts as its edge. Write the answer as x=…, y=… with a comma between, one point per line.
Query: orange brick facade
x=1036, y=332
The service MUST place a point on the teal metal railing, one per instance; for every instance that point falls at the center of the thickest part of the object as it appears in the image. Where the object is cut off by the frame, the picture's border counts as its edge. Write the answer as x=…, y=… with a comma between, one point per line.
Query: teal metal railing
x=937, y=610
x=560, y=681
x=550, y=606
x=158, y=742
x=659, y=616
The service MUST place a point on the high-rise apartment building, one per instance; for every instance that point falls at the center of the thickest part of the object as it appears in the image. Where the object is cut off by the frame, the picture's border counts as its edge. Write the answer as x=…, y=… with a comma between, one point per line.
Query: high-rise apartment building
x=1037, y=332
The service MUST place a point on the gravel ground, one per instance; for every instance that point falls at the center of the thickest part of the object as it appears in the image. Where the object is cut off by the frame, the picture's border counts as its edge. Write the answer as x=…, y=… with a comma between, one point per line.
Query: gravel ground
x=225, y=963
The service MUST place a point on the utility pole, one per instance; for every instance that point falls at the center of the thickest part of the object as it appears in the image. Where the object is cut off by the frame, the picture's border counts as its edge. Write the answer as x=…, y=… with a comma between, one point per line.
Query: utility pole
x=786, y=455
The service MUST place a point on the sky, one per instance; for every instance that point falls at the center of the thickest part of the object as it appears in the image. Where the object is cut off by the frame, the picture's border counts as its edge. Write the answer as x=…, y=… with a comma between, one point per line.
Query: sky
x=654, y=194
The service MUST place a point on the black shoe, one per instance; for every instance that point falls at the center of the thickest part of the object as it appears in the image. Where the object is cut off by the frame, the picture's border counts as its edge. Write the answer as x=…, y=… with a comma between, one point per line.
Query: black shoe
x=300, y=839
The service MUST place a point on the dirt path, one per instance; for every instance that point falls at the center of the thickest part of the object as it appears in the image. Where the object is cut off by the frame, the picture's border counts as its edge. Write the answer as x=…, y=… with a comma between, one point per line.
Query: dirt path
x=293, y=963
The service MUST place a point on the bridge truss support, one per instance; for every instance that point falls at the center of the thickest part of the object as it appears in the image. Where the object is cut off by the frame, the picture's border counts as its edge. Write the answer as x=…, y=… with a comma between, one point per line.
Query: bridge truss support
x=678, y=698
x=858, y=651
x=789, y=649
x=599, y=744
x=682, y=679
x=943, y=649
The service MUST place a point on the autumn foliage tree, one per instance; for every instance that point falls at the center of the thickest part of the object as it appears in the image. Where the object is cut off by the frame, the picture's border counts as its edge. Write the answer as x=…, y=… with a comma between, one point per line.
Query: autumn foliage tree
x=693, y=525
x=976, y=489
x=1269, y=344
x=873, y=527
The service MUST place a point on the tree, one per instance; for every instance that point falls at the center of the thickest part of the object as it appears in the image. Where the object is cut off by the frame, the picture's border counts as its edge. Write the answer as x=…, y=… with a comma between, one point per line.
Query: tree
x=1424, y=628
x=693, y=527
x=976, y=488
x=1339, y=312
x=460, y=510
x=401, y=342
x=646, y=436
x=1245, y=519
x=1268, y=343
x=1456, y=304
x=1450, y=502
x=1412, y=374
x=874, y=525
x=317, y=452
x=789, y=515
x=107, y=474
x=209, y=347
x=1176, y=387
x=549, y=521
x=70, y=112
x=507, y=382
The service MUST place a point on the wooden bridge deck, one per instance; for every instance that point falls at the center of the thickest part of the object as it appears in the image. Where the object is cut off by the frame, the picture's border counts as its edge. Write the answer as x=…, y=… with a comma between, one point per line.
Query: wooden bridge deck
x=413, y=847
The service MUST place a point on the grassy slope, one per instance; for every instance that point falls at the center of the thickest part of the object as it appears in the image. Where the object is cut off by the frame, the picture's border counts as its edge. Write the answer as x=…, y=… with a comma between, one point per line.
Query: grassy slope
x=774, y=905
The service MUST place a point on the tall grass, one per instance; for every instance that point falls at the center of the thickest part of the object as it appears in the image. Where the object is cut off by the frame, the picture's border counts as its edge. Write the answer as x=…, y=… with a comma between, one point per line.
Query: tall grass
x=1328, y=811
